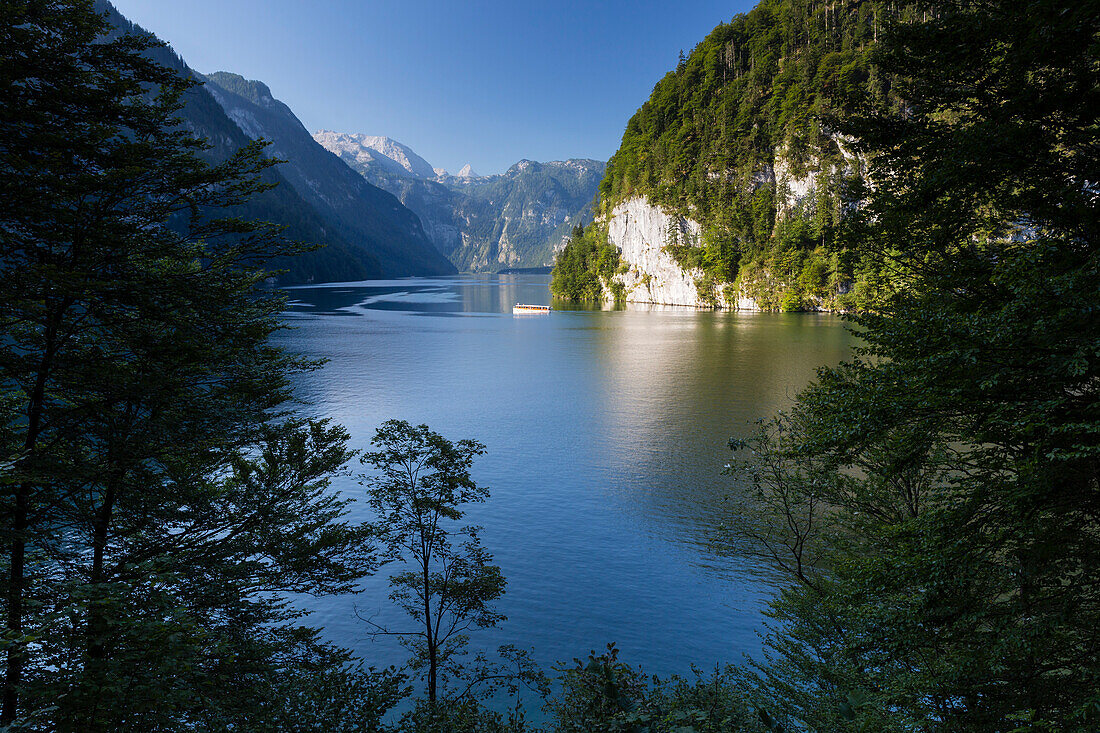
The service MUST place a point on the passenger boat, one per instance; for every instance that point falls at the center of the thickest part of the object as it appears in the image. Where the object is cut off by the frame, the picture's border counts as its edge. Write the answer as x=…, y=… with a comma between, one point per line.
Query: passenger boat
x=523, y=308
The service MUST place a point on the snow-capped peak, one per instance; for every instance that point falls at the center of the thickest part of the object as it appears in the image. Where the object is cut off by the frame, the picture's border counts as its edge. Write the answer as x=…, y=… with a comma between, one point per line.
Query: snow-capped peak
x=366, y=148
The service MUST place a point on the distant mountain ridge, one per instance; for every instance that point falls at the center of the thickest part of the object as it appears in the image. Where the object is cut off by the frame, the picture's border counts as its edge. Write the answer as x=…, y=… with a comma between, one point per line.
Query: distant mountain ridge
x=375, y=149
x=517, y=219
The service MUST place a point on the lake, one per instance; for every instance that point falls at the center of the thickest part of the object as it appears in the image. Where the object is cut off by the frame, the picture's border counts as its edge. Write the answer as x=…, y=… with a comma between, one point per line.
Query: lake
x=606, y=436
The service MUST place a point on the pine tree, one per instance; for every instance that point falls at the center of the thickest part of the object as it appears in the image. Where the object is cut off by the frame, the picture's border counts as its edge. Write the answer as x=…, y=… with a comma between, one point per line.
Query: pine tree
x=159, y=500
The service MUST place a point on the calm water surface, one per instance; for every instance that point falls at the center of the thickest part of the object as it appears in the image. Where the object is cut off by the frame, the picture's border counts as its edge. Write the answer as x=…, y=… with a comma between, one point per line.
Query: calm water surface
x=606, y=437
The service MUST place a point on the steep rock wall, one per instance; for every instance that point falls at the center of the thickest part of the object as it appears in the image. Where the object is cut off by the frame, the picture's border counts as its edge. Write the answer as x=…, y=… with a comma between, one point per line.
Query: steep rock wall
x=642, y=232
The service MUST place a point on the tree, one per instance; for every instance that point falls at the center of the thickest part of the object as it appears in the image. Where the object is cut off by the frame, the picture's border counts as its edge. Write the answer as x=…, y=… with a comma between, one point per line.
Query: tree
x=586, y=266
x=959, y=452
x=604, y=694
x=450, y=584
x=161, y=500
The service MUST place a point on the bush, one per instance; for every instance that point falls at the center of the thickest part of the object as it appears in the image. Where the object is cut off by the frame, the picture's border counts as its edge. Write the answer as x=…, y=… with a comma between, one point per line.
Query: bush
x=606, y=695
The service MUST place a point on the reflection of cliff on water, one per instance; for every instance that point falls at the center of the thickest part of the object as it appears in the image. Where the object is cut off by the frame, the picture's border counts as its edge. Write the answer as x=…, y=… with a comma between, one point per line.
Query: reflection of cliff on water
x=677, y=387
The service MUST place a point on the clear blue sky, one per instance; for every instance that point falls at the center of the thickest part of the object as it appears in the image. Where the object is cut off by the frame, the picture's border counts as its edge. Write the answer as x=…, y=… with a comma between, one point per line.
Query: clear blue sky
x=481, y=81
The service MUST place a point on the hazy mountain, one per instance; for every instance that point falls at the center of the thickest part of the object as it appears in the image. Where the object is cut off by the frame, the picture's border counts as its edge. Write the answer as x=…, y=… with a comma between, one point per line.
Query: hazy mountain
x=362, y=213
x=522, y=217
x=376, y=149
x=482, y=223
x=345, y=255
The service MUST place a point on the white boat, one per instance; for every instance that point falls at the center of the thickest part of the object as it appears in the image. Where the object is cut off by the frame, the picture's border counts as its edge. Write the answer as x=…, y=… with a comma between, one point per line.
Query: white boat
x=524, y=308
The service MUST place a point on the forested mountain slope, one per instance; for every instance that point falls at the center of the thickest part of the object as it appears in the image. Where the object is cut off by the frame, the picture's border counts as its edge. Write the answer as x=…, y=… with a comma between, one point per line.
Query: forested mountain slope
x=730, y=180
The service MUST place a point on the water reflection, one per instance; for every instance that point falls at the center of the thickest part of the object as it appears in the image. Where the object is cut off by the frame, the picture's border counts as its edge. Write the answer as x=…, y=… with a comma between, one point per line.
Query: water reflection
x=606, y=434
x=677, y=386
x=473, y=294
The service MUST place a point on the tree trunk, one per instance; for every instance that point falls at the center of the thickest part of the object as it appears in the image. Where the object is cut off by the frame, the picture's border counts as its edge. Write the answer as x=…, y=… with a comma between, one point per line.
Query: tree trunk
x=98, y=625
x=433, y=660
x=13, y=672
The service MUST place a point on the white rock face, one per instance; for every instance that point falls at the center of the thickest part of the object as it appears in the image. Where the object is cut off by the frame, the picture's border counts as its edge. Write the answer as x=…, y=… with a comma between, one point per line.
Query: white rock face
x=791, y=190
x=642, y=232
x=244, y=118
x=367, y=148
x=467, y=172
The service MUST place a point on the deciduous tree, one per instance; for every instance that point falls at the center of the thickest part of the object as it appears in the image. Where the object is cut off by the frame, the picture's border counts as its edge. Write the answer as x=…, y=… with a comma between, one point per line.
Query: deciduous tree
x=450, y=584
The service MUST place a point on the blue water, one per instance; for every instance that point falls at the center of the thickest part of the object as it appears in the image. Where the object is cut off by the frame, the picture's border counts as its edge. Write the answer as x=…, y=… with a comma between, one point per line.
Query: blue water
x=606, y=437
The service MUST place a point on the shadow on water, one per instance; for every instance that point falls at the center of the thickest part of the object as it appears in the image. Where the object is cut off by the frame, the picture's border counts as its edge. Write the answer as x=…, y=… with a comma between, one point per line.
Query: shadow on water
x=471, y=294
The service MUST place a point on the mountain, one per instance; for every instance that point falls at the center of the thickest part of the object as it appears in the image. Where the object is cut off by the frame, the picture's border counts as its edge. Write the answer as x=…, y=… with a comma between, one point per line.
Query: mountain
x=730, y=181
x=360, y=212
x=521, y=217
x=345, y=254
x=376, y=149
x=481, y=223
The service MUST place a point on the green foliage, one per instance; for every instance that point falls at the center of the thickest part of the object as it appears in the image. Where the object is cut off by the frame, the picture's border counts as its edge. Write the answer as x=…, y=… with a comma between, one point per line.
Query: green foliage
x=936, y=498
x=716, y=253
x=448, y=589
x=606, y=695
x=161, y=503
x=760, y=93
x=321, y=692
x=586, y=266
x=461, y=716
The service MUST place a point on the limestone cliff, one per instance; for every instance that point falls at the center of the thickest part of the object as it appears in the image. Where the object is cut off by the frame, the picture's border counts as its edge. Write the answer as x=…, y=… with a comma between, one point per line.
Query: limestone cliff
x=732, y=180
x=642, y=232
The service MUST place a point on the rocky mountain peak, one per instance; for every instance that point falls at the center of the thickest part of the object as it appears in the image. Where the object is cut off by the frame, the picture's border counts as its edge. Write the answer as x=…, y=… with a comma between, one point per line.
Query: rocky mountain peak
x=254, y=91
x=355, y=146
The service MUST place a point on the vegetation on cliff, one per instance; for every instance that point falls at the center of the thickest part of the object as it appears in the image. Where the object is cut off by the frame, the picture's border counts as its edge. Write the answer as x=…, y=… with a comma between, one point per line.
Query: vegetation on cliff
x=936, y=500
x=585, y=267
x=753, y=108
